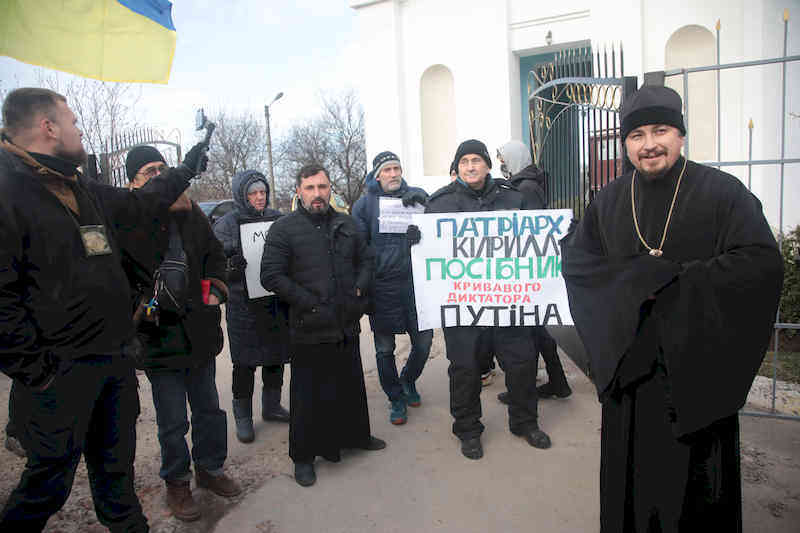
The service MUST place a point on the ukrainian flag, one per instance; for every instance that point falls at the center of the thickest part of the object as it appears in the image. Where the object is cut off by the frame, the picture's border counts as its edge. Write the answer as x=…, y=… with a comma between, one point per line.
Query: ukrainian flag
x=110, y=40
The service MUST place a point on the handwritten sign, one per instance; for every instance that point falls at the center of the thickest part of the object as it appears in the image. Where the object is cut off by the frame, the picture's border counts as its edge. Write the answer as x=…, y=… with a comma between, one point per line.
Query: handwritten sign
x=492, y=268
x=253, y=236
x=394, y=217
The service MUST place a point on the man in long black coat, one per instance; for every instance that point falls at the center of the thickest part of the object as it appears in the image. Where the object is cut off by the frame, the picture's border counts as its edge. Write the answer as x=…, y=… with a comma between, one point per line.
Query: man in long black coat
x=317, y=261
x=673, y=278
x=258, y=332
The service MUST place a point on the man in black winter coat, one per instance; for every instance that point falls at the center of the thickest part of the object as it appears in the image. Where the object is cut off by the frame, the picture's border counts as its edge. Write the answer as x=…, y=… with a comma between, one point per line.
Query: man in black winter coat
x=395, y=310
x=180, y=344
x=317, y=261
x=65, y=317
x=474, y=189
x=258, y=331
x=519, y=170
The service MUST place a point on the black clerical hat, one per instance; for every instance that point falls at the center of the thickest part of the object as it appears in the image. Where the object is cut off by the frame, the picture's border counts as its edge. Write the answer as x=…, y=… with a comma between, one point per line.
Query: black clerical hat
x=652, y=104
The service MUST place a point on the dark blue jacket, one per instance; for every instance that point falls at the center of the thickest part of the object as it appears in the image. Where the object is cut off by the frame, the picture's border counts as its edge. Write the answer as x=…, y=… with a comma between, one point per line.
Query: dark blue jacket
x=394, y=309
x=258, y=330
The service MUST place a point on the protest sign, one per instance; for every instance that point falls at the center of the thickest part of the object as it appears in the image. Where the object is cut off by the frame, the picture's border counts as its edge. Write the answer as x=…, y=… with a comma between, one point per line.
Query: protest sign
x=394, y=217
x=493, y=268
x=253, y=236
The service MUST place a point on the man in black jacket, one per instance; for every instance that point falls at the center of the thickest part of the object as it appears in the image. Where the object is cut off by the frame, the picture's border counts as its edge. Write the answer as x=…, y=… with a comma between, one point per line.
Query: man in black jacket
x=65, y=320
x=317, y=261
x=519, y=170
x=474, y=189
x=181, y=343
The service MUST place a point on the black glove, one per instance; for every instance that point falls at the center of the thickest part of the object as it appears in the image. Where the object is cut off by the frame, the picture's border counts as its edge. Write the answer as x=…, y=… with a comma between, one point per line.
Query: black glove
x=133, y=349
x=196, y=159
x=237, y=262
x=414, y=197
x=413, y=235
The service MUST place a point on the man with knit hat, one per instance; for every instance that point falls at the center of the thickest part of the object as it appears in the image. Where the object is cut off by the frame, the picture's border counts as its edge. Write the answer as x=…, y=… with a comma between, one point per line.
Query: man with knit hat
x=474, y=189
x=66, y=335
x=394, y=310
x=673, y=278
x=181, y=337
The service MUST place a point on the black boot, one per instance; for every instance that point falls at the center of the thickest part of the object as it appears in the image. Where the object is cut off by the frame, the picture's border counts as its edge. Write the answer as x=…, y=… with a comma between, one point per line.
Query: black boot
x=271, y=409
x=243, y=415
x=556, y=379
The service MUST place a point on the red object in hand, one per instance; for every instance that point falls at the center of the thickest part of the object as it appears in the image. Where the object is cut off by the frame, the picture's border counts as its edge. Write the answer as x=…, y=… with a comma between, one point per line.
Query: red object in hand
x=206, y=286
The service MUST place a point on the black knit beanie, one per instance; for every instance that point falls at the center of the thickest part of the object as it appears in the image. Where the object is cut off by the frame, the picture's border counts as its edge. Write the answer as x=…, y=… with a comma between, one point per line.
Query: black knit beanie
x=652, y=104
x=138, y=157
x=472, y=146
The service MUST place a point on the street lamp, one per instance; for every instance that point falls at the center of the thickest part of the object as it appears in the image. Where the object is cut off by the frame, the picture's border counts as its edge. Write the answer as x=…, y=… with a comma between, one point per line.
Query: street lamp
x=269, y=153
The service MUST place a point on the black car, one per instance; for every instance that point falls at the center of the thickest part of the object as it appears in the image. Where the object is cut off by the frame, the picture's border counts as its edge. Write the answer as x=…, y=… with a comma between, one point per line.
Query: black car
x=216, y=209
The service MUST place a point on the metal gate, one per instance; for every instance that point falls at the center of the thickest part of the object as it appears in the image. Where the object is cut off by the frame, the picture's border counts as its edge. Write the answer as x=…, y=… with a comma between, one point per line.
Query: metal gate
x=112, y=161
x=573, y=106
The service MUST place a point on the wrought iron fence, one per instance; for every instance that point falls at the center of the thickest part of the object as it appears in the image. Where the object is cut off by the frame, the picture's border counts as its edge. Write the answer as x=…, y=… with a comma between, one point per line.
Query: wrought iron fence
x=573, y=104
x=780, y=162
x=112, y=160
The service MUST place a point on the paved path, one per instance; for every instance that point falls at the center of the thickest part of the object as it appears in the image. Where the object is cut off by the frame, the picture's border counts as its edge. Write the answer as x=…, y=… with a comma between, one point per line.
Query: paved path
x=421, y=482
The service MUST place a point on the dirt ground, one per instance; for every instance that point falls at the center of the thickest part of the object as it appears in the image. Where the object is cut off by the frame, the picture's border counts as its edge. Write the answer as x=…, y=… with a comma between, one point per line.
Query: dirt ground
x=770, y=463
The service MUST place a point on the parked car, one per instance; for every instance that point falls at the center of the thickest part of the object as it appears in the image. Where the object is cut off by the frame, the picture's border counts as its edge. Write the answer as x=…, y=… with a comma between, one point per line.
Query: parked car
x=215, y=209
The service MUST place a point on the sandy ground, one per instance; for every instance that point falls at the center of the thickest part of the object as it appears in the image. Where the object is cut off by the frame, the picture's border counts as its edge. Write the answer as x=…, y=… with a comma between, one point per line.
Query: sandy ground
x=421, y=482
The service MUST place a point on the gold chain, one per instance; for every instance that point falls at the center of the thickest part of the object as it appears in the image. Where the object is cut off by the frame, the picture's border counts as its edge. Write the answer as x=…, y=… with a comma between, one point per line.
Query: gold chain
x=657, y=252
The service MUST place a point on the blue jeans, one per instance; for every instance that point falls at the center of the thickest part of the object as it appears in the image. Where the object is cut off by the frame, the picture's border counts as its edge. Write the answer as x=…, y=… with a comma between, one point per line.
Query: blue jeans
x=387, y=368
x=171, y=389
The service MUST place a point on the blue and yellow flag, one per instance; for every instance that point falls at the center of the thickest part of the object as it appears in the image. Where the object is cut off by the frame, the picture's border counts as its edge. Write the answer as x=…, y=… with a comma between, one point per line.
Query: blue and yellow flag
x=110, y=40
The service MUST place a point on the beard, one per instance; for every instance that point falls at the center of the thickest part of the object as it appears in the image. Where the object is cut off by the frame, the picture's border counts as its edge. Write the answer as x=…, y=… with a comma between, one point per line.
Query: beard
x=316, y=210
x=77, y=156
x=657, y=173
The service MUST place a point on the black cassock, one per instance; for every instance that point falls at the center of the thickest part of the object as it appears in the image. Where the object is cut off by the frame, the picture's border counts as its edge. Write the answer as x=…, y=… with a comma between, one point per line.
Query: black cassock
x=672, y=372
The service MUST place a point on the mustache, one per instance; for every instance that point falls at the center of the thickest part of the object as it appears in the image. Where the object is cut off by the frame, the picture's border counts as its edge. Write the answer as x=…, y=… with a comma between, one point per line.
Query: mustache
x=653, y=152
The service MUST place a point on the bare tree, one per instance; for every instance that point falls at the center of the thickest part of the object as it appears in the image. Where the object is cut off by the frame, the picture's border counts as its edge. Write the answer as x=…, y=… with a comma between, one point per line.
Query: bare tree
x=239, y=143
x=104, y=109
x=335, y=140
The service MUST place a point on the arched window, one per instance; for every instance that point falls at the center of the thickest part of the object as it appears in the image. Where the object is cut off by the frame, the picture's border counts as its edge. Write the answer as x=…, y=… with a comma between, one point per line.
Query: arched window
x=695, y=46
x=438, y=114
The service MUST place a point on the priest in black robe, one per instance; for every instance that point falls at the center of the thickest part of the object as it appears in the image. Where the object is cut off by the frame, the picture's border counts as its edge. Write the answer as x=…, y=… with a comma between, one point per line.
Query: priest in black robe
x=674, y=278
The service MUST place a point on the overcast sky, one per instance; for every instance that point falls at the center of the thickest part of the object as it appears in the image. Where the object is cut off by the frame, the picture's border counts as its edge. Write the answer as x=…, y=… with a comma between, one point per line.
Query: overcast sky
x=239, y=54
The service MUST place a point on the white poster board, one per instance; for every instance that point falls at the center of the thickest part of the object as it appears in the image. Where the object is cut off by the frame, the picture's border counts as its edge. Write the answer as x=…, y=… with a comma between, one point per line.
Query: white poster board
x=492, y=268
x=253, y=236
x=394, y=217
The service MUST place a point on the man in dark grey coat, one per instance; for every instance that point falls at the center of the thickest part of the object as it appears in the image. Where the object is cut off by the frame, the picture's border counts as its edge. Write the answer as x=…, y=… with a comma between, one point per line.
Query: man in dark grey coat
x=257, y=329
x=317, y=261
x=394, y=311
x=474, y=189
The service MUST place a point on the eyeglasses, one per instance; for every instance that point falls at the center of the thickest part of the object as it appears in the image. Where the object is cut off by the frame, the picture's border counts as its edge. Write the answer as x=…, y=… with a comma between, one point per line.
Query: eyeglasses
x=153, y=171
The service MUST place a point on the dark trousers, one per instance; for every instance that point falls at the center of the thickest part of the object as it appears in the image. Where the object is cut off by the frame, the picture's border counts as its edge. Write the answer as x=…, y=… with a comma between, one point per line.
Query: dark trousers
x=17, y=411
x=244, y=378
x=548, y=349
x=516, y=353
x=387, y=367
x=171, y=390
x=328, y=401
x=90, y=409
